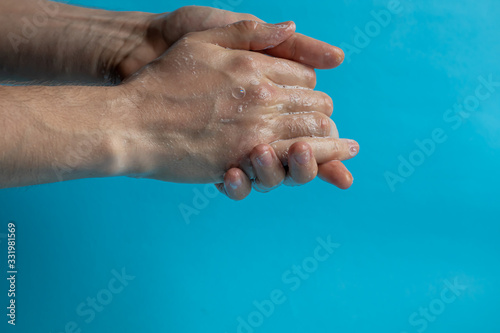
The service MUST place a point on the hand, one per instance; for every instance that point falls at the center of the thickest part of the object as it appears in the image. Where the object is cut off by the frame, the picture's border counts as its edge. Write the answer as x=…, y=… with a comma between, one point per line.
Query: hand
x=163, y=30
x=202, y=107
x=269, y=172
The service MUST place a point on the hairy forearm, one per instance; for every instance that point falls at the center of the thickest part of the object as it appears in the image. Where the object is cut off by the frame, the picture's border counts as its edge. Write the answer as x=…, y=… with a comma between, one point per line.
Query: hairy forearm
x=50, y=134
x=45, y=40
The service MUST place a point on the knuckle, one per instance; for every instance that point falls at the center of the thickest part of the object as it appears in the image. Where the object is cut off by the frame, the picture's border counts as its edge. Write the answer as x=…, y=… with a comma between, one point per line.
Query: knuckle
x=259, y=150
x=297, y=126
x=318, y=123
x=336, y=146
x=299, y=147
x=265, y=92
x=179, y=13
x=328, y=103
x=324, y=124
x=183, y=11
x=244, y=63
x=247, y=25
x=295, y=98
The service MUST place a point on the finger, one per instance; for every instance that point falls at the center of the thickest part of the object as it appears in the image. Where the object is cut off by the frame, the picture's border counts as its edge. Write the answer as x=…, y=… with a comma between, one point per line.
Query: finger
x=324, y=149
x=188, y=19
x=237, y=186
x=334, y=172
x=302, y=166
x=280, y=72
x=247, y=35
x=308, y=51
x=299, y=125
x=290, y=73
x=268, y=169
x=302, y=100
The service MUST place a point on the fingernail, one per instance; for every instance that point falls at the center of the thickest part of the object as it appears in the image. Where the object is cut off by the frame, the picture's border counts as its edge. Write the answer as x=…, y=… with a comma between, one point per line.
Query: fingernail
x=265, y=159
x=235, y=183
x=288, y=25
x=353, y=147
x=303, y=158
x=283, y=24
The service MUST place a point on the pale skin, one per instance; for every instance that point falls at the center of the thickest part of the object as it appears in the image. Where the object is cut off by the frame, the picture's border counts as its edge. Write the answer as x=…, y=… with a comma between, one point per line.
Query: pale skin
x=206, y=111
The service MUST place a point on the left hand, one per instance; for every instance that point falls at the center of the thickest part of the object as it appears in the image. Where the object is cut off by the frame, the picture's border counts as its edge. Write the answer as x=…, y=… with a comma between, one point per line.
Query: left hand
x=163, y=30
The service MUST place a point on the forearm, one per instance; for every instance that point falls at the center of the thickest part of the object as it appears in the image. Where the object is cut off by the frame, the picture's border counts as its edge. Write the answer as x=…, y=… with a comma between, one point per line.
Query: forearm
x=47, y=40
x=50, y=134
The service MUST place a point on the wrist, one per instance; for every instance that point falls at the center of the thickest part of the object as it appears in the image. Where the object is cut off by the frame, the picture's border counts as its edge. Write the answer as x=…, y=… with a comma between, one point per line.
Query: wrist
x=122, y=125
x=85, y=140
x=57, y=133
x=54, y=41
x=102, y=38
x=109, y=39
x=148, y=130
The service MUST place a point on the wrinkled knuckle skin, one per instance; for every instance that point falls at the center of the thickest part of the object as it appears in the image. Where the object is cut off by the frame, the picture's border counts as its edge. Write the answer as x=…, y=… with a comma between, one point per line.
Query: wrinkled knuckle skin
x=248, y=26
x=264, y=93
x=296, y=126
x=316, y=124
x=324, y=124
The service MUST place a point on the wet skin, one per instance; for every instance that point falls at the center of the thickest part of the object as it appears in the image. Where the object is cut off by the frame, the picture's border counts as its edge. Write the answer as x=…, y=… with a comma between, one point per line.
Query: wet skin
x=207, y=127
x=287, y=116
x=164, y=30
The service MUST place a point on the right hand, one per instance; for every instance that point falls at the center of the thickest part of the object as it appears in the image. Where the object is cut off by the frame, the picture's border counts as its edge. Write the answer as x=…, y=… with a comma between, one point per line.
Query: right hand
x=200, y=109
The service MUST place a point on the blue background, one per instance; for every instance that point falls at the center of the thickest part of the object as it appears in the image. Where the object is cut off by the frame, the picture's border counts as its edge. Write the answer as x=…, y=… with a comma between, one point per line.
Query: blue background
x=398, y=246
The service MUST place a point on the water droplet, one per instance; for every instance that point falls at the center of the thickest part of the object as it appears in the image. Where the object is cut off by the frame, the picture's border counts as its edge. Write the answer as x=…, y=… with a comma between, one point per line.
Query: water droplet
x=239, y=93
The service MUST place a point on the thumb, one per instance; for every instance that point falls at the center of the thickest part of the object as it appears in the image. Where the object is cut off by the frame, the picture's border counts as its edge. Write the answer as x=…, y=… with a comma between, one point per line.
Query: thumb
x=248, y=35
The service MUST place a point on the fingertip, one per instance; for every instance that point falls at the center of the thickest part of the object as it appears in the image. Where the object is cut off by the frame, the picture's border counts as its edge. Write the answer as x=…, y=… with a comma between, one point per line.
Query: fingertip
x=346, y=182
x=332, y=57
x=340, y=55
x=335, y=173
x=353, y=147
x=236, y=184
